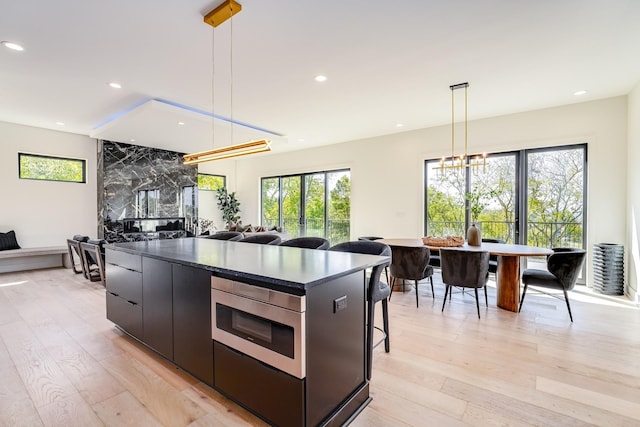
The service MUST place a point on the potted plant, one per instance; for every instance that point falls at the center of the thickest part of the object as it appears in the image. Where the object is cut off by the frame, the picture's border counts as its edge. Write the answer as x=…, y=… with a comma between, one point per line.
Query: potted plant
x=229, y=205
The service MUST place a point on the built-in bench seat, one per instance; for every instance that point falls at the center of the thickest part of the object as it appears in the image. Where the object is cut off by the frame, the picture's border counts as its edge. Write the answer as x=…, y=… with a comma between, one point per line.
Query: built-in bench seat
x=34, y=258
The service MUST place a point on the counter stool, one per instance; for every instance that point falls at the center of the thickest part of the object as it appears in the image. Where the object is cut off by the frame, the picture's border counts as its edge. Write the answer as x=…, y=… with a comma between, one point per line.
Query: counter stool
x=376, y=291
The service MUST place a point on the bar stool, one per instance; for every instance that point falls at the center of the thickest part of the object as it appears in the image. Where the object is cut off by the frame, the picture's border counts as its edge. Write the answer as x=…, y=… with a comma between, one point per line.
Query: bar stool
x=376, y=291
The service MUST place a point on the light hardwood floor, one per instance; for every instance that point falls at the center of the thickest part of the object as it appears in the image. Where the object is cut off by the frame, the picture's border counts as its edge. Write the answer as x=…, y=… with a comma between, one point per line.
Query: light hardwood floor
x=62, y=363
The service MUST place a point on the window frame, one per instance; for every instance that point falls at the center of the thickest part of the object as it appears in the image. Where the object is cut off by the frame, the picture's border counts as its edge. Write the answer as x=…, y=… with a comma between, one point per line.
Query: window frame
x=302, y=213
x=83, y=162
x=224, y=180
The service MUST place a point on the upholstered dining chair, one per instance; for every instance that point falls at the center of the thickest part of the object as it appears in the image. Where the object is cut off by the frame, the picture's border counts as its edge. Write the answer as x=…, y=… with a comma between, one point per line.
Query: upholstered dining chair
x=376, y=291
x=374, y=238
x=493, y=259
x=563, y=267
x=307, y=243
x=411, y=263
x=262, y=238
x=434, y=258
x=226, y=235
x=465, y=269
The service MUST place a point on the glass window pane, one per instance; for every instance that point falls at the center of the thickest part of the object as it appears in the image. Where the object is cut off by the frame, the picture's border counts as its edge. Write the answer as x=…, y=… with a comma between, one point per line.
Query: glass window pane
x=291, y=205
x=339, y=206
x=210, y=182
x=314, y=205
x=555, y=198
x=270, y=202
x=445, y=201
x=48, y=168
x=492, y=199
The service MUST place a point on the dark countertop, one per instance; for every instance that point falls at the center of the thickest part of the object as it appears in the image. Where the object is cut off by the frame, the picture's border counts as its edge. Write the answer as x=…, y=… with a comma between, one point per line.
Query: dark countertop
x=264, y=265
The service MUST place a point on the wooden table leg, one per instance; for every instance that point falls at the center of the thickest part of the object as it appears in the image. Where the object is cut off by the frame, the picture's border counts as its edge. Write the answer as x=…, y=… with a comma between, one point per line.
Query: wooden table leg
x=508, y=282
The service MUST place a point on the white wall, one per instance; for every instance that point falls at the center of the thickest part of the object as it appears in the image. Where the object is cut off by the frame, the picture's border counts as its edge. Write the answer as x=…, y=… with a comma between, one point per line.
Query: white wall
x=633, y=195
x=45, y=213
x=387, y=177
x=207, y=202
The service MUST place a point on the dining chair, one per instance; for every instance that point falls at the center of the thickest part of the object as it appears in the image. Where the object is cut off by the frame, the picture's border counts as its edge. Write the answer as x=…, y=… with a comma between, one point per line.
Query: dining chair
x=434, y=258
x=75, y=253
x=374, y=238
x=307, y=243
x=376, y=291
x=411, y=263
x=563, y=267
x=493, y=259
x=225, y=235
x=262, y=238
x=93, y=260
x=465, y=269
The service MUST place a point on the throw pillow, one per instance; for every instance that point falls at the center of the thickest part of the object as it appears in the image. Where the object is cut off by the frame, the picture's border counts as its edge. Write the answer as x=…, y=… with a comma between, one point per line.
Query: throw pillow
x=260, y=229
x=245, y=228
x=8, y=241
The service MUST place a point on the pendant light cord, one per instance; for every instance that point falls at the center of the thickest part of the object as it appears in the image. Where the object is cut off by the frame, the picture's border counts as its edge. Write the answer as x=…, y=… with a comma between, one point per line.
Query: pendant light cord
x=231, y=69
x=213, y=88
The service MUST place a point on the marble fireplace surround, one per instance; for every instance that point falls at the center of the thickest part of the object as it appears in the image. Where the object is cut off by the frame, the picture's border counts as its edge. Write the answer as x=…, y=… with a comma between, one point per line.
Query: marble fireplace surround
x=125, y=169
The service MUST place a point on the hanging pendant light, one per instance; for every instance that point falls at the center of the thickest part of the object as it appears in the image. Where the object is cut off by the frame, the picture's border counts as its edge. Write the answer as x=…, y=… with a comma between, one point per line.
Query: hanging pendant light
x=460, y=161
x=217, y=16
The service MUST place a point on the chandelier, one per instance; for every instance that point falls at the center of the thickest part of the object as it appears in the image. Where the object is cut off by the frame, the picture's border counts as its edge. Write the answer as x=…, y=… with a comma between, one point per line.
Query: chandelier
x=217, y=16
x=460, y=161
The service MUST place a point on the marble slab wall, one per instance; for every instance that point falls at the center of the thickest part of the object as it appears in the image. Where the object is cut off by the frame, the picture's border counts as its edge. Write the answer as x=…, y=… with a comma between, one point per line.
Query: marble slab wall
x=125, y=169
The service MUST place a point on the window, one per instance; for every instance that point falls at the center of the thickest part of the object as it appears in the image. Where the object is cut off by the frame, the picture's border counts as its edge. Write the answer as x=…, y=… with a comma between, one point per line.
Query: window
x=535, y=197
x=208, y=182
x=147, y=203
x=50, y=168
x=312, y=204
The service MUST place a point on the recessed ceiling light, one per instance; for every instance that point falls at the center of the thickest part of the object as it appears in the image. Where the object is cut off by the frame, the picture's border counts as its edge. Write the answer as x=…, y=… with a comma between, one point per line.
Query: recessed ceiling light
x=60, y=123
x=12, y=46
x=300, y=139
x=399, y=125
x=580, y=92
x=132, y=140
x=181, y=123
x=115, y=85
x=320, y=78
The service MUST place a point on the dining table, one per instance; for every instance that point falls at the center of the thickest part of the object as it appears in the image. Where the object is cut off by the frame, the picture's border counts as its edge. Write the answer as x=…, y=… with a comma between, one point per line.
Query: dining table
x=508, y=274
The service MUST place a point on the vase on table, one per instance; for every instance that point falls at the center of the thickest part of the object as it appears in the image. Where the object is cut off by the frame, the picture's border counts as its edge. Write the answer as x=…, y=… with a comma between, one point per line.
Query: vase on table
x=473, y=235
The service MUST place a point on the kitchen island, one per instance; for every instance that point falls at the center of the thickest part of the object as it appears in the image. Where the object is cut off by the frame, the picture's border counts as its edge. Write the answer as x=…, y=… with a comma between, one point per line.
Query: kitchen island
x=279, y=330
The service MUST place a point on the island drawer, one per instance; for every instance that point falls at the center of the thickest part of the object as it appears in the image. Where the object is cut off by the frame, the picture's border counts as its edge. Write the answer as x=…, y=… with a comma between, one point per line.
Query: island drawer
x=126, y=284
x=123, y=259
x=125, y=314
x=279, y=397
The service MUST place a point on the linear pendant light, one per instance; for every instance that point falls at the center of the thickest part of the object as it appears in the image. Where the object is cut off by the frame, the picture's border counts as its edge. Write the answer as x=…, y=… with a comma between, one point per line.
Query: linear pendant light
x=227, y=152
x=217, y=16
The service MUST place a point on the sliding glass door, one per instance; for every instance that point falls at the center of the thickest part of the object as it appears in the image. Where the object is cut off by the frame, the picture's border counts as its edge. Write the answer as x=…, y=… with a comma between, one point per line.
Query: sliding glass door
x=556, y=189
x=535, y=197
x=484, y=194
x=313, y=204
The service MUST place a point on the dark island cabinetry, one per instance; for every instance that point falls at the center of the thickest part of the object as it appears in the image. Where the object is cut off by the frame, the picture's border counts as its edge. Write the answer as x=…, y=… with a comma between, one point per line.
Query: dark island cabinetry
x=157, y=311
x=192, y=344
x=165, y=305
x=279, y=330
x=124, y=291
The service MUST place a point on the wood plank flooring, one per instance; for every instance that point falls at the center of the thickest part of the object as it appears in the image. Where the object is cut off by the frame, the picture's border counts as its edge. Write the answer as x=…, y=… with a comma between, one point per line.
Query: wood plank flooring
x=63, y=364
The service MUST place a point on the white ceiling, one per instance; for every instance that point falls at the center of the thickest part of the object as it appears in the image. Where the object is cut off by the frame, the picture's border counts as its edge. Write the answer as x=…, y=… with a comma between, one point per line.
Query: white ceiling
x=387, y=62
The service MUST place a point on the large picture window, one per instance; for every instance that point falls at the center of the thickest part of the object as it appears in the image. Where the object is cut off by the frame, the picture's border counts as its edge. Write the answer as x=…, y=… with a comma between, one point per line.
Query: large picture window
x=311, y=204
x=51, y=168
x=535, y=197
